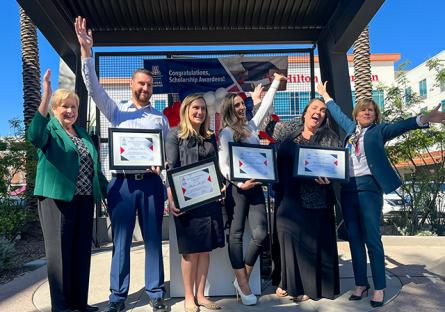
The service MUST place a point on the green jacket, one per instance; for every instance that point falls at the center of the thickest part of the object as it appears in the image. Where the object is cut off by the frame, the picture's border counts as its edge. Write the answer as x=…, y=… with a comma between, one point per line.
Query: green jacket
x=59, y=162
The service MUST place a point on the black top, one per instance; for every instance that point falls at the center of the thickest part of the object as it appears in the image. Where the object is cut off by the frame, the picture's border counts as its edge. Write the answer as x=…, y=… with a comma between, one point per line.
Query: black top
x=188, y=151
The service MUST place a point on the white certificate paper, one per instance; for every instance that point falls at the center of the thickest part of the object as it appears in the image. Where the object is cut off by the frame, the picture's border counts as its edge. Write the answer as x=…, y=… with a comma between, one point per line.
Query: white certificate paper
x=195, y=185
x=320, y=162
x=252, y=161
x=134, y=149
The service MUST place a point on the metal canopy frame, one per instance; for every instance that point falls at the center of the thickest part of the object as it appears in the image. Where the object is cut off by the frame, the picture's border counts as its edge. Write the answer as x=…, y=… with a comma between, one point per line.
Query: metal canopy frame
x=333, y=25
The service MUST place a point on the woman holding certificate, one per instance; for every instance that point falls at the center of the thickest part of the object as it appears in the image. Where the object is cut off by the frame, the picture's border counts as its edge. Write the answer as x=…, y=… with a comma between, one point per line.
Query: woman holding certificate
x=245, y=200
x=305, y=221
x=370, y=174
x=68, y=181
x=199, y=230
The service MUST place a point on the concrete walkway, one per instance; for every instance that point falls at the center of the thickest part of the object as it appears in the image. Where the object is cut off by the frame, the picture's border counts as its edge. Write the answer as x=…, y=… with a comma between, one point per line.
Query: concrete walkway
x=415, y=270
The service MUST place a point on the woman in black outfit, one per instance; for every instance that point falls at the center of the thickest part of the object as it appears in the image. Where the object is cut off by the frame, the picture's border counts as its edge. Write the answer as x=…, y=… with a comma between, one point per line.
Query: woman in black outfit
x=200, y=230
x=305, y=216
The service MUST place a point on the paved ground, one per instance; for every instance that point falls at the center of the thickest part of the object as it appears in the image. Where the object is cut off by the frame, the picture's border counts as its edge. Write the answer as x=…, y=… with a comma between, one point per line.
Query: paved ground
x=415, y=270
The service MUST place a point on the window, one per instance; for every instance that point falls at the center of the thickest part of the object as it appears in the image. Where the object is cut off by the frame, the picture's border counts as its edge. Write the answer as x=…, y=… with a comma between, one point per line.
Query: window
x=377, y=95
x=443, y=105
x=422, y=88
x=408, y=94
x=283, y=106
x=290, y=104
x=160, y=105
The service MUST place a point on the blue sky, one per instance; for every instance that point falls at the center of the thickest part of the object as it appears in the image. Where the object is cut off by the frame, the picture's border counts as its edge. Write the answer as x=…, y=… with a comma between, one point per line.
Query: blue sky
x=412, y=28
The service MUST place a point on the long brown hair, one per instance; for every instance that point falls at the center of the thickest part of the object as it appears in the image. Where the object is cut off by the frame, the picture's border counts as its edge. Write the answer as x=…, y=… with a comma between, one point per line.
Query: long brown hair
x=185, y=129
x=230, y=118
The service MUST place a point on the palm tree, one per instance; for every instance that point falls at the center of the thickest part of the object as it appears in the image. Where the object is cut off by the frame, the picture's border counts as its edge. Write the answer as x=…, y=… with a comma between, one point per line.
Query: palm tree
x=31, y=92
x=362, y=66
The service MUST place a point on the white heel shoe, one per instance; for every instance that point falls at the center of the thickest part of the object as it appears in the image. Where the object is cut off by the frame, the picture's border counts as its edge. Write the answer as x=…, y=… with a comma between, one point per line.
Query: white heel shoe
x=245, y=299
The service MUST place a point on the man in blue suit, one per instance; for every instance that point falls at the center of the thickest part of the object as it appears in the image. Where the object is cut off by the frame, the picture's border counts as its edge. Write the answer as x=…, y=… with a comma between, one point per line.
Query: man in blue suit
x=130, y=191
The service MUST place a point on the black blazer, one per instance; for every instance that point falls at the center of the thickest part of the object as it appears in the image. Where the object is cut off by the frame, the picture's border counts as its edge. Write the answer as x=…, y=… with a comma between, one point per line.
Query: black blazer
x=181, y=152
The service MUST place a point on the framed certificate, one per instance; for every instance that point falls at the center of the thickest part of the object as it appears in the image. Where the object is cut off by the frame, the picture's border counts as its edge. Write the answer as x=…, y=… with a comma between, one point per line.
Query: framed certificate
x=252, y=161
x=195, y=185
x=317, y=161
x=135, y=148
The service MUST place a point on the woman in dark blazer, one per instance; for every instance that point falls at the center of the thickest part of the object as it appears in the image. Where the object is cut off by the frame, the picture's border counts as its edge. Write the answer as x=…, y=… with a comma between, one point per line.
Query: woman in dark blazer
x=305, y=221
x=371, y=175
x=200, y=230
x=68, y=181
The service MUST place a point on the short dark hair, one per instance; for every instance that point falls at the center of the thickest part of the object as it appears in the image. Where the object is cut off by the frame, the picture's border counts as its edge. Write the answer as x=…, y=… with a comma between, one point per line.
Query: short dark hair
x=142, y=71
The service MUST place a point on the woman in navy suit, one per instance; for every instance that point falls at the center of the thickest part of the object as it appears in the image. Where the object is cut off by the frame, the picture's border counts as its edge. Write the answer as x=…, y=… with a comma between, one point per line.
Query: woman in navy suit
x=370, y=174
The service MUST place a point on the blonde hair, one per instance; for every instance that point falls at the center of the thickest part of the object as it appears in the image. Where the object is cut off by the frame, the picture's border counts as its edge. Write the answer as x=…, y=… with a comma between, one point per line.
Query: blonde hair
x=185, y=128
x=230, y=118
x=62, y=94
x=362, y=103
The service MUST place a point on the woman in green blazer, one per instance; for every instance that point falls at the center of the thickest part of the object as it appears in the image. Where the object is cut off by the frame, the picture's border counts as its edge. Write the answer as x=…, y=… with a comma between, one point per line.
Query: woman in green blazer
x=68, y=181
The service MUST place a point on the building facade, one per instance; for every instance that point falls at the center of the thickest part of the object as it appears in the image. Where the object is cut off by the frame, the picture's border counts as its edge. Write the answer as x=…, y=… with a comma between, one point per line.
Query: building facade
x=423, y=82
x=291, y=103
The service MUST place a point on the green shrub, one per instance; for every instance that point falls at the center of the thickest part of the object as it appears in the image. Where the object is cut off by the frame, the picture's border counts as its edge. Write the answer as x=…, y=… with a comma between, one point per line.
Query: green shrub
x=7, y=252
x=13, y=219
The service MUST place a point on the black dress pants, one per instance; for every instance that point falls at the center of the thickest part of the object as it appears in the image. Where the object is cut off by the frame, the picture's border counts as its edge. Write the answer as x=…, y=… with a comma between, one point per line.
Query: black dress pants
x=242, y=205
x=67, y=231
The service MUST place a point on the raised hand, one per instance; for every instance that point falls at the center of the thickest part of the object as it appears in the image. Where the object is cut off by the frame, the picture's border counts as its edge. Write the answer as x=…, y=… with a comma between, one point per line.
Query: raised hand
x=47, y=83
x=278, y=76
x=84, y=36
x=256, y=94
x=321, y=89
x=44, y=103
x=434, y=116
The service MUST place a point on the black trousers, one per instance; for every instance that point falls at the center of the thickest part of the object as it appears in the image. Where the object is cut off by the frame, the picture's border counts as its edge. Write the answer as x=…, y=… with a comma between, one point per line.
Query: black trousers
x=240, y=205
x=67, y=231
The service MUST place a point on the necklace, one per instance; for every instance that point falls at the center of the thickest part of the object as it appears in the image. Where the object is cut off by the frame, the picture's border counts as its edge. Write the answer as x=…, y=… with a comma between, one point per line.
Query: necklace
x=74, y=134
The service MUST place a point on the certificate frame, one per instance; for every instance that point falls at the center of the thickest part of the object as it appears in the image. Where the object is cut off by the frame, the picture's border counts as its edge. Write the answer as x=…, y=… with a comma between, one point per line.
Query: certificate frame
x=264, y=152
x=320, y=161
x=202, y=176
x=120, y=161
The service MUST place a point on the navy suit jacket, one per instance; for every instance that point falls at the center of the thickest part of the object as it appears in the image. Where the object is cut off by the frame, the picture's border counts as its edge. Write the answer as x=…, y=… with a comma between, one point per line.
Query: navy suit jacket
x=374, y=144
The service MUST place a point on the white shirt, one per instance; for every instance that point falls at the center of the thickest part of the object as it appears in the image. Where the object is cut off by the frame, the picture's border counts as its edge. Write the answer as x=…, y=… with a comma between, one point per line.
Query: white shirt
x=226, y=134
x=358, y=165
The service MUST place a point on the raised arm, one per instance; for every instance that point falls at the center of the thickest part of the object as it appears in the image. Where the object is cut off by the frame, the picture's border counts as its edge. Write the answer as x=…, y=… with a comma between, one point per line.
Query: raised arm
x=47, y=92
x=103, y=101
x=345, y=122
x=393, y=130
x=435, y=116
x=267, y=100
x=37, y=133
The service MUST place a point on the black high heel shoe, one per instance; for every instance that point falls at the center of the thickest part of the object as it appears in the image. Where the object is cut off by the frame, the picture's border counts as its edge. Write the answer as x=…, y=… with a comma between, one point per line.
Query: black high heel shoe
x=355, y=297
x=376, y=304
